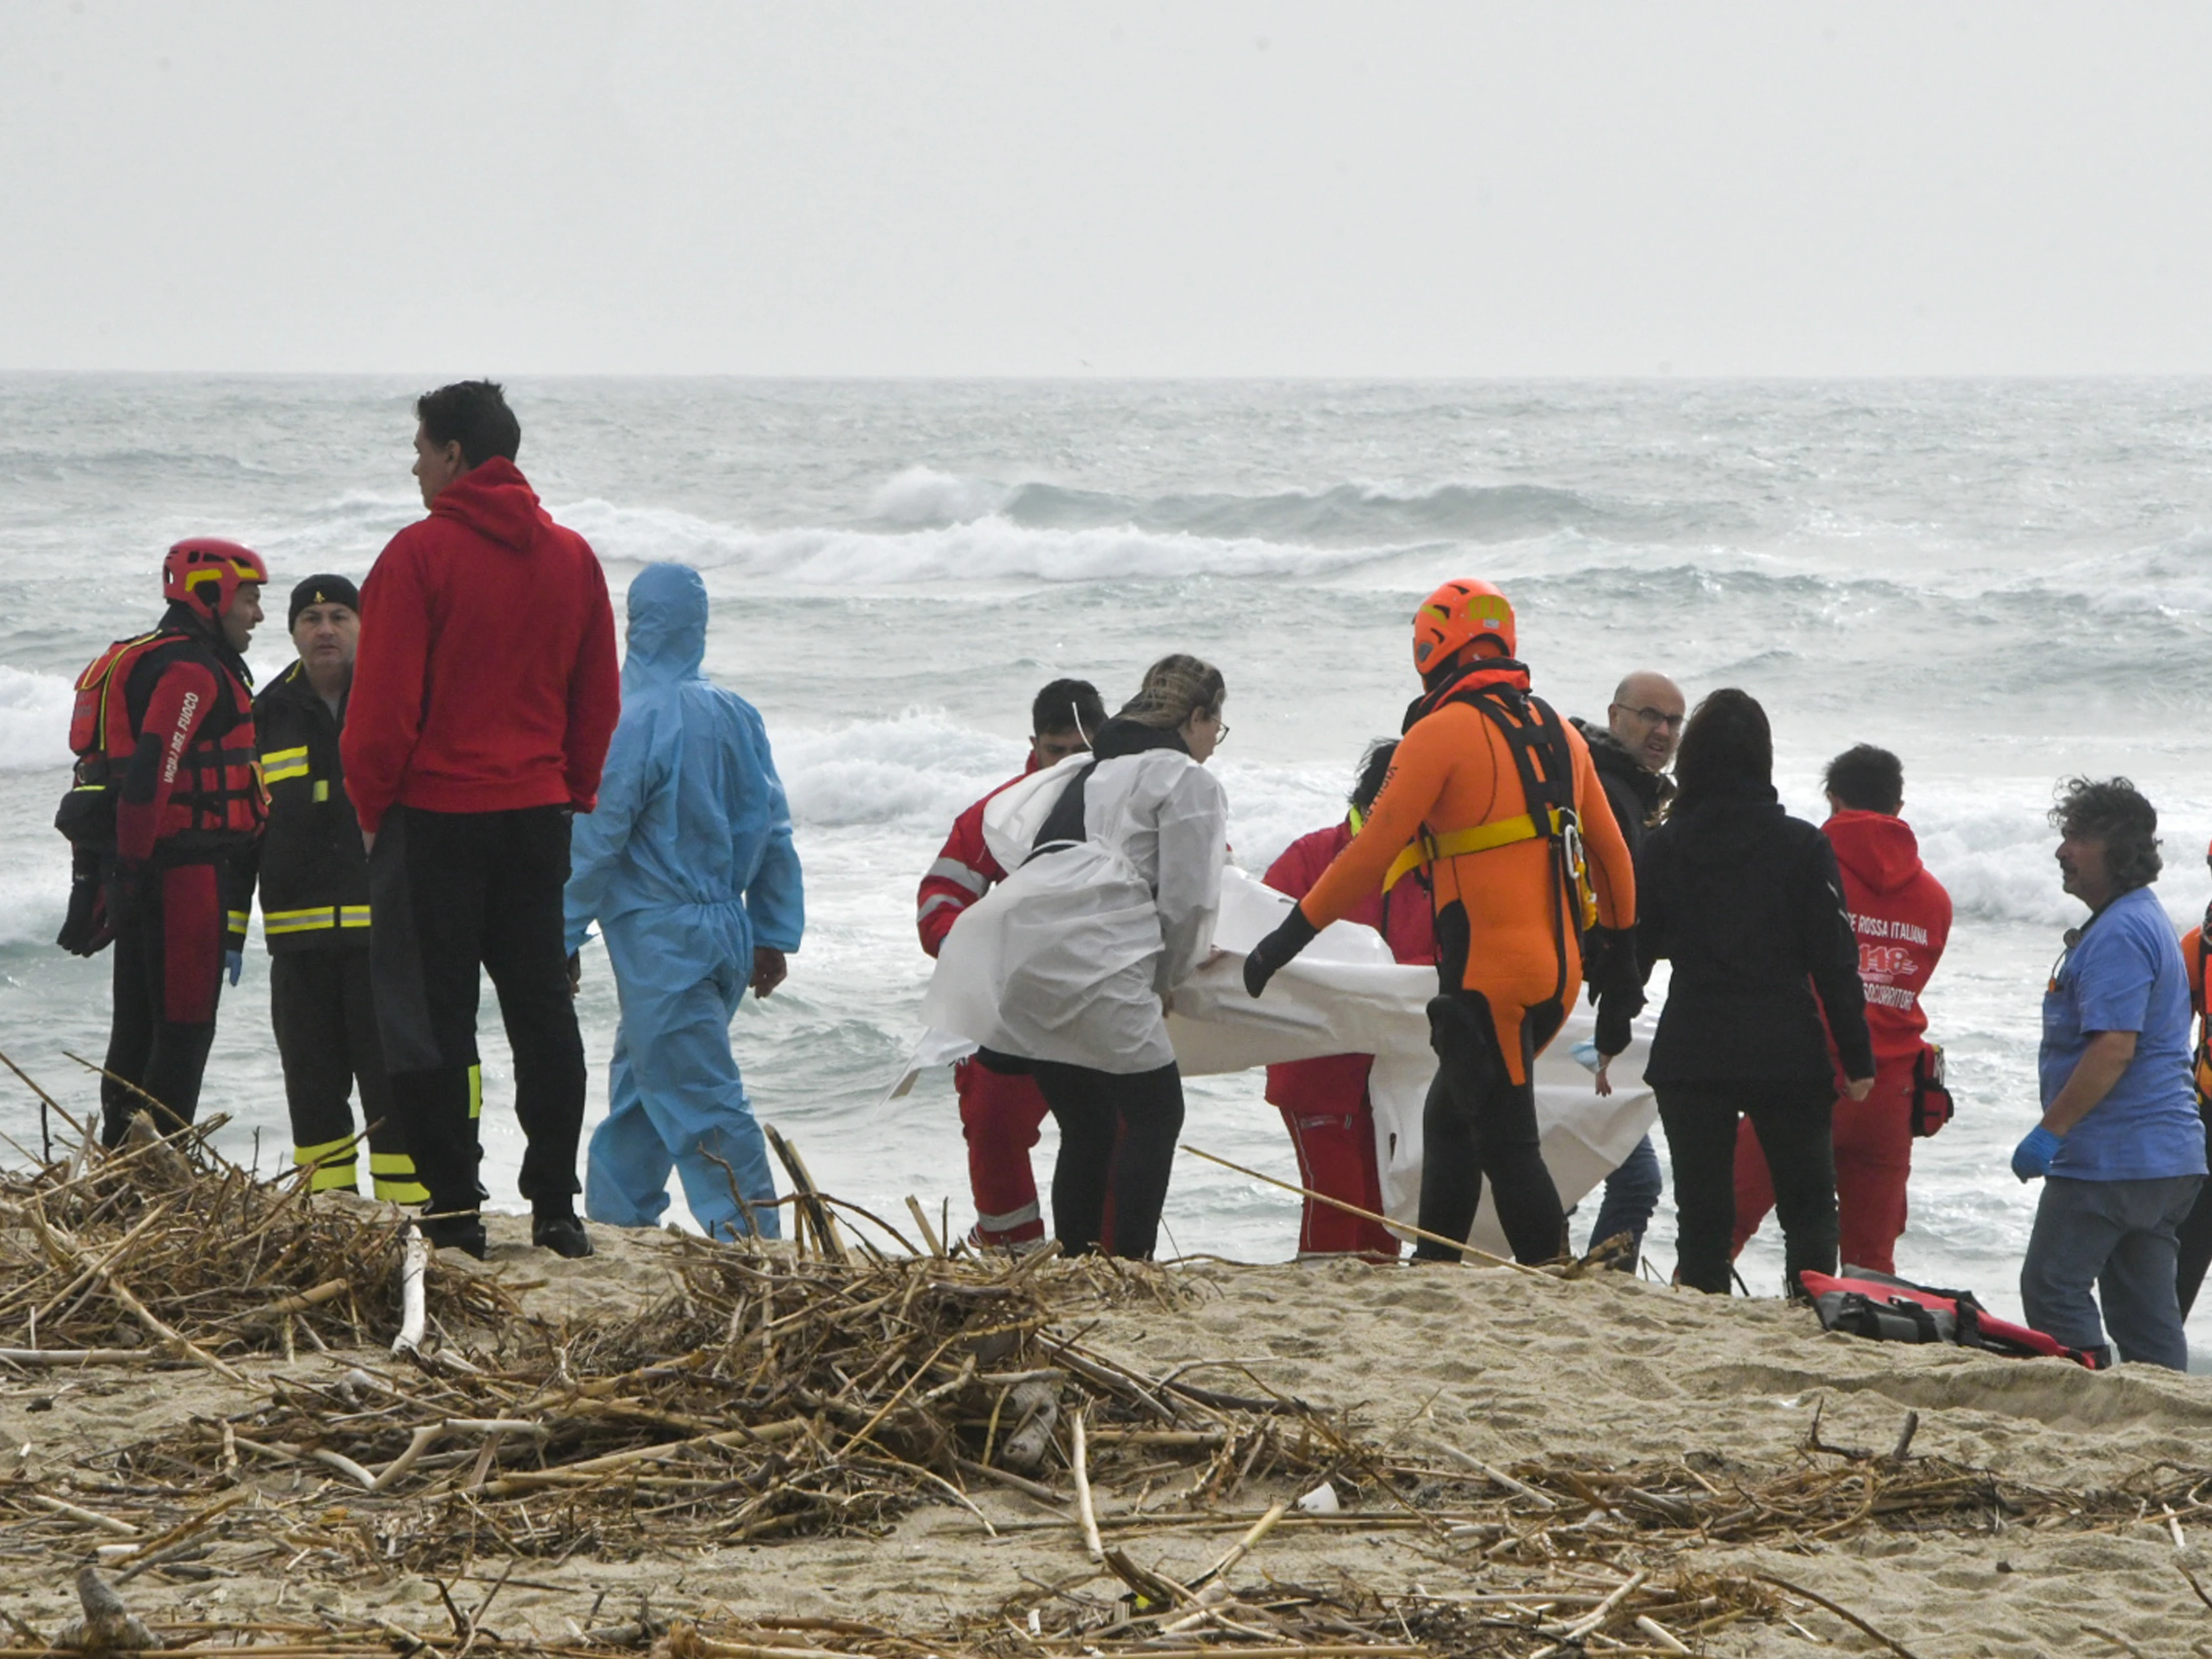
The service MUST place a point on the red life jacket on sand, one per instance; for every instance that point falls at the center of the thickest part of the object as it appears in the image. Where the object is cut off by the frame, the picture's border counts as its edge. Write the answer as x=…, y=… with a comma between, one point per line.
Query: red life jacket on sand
x=1892, y=1310
x=217, y=796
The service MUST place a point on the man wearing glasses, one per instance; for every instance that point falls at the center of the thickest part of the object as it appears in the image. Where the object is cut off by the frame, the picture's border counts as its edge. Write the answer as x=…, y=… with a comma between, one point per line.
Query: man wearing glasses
x=1631, y=752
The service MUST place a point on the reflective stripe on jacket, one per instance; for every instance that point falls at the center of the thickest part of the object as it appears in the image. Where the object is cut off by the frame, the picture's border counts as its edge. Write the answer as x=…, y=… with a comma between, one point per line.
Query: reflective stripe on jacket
x=312, y=873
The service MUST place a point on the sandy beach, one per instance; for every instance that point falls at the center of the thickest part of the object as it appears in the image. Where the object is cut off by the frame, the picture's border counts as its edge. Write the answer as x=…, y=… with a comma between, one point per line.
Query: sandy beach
x=1508, y=1377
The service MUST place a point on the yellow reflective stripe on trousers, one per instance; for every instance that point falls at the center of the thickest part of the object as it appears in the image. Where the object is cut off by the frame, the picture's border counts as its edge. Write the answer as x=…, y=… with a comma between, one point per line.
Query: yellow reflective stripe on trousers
x=299, y=922
x=333, y=1162
x=392, y=1174
x=353, y=916
x=1458, y=842
x=237, y=918
x=475, y=1092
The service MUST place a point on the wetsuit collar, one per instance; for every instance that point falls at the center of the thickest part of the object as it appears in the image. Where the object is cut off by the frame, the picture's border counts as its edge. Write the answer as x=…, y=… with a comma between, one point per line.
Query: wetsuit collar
x=1470, y=679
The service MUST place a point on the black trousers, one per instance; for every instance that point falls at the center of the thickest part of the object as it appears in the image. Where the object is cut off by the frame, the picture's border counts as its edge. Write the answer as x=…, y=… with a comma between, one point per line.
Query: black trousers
x=1477, y=1120
x=324, y=1012
x=1793, y=1120
x=2195, y=1237
x=168, y=978
x=1117, y=1140
x=456, y=895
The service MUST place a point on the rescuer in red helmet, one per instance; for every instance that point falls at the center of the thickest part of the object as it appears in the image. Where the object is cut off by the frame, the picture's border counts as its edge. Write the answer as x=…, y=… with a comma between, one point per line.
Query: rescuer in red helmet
x=165, y=802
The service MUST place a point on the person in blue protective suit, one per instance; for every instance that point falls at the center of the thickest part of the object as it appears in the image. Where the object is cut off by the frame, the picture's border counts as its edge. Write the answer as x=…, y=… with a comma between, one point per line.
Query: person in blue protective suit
x=687, y=867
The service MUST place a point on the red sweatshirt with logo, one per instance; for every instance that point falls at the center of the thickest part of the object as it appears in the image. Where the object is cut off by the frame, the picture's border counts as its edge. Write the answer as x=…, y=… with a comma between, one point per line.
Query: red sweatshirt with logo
x=1902, y=918
x=486, y=679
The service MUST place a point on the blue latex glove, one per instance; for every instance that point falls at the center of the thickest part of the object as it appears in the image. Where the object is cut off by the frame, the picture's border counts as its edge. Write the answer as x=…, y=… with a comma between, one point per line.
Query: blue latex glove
x=235, y=962
x=2032, y=1158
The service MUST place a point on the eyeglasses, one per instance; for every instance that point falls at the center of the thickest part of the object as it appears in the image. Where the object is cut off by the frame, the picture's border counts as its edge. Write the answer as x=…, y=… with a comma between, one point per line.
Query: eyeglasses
x=1652, y=717
x=1220, y=730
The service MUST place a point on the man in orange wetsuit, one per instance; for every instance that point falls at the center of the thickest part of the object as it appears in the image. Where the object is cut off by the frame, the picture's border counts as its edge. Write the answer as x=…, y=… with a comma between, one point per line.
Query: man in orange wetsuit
x=1902, y=917
x=2196, y=1233
x=1324, y=1102
x=1001, y=1112
x=1495, y=794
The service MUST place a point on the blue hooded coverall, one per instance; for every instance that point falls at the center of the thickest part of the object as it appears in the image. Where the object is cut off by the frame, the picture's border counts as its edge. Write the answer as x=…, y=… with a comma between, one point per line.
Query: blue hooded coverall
x=687, y=865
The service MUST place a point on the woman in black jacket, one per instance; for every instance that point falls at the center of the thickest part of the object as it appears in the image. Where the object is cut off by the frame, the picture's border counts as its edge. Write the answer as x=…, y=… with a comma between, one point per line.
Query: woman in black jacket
x=1745, y=901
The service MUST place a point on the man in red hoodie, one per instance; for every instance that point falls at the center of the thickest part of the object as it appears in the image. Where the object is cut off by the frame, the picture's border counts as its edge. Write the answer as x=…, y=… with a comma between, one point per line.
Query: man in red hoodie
x=484, y=695
x=1001, y=1112
x=1902, y=916
x=1324, y=1102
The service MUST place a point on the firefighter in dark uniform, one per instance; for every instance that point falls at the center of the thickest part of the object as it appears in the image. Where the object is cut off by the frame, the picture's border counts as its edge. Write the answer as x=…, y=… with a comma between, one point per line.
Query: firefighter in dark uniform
x=164, y=808
x=315, y=908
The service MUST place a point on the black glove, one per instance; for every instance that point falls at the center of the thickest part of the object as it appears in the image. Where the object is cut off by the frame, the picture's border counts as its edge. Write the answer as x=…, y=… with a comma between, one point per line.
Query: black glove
x=85, y=930
x=1269, y=955
x=1615, y=1009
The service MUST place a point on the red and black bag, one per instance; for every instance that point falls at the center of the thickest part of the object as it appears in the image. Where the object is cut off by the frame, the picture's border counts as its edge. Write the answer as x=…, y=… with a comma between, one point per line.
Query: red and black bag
x=1893, y=1310
x=1931, y=1100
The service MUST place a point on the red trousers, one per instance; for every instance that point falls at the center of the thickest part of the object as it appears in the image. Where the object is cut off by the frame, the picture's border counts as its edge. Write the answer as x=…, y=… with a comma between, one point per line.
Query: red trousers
x=1874, y=1159
x=1332, y=1129
x=1000, y=1116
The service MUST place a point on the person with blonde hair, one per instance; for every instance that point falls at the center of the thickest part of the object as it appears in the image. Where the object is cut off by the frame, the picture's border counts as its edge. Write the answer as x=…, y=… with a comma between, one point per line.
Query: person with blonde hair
x=1065, y=969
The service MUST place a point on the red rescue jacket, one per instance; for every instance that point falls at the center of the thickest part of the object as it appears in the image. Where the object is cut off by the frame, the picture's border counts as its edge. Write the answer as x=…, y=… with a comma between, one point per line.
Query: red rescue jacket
x=1902, y=918
x=1406, y=918
x=964, y=873
x=486, y=679
x=165, y=723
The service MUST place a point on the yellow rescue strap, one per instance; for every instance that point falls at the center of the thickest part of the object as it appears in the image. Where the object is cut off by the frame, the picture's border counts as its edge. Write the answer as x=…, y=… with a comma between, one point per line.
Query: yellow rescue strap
x=1454, y=843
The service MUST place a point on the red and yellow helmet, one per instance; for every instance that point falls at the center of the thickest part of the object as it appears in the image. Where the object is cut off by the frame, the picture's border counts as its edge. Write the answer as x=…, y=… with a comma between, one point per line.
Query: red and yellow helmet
x=1453, y=617
x=206, y=573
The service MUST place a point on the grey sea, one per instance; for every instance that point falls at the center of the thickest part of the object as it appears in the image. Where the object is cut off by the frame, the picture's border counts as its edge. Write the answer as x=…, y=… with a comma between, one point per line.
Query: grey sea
x=2007, y=582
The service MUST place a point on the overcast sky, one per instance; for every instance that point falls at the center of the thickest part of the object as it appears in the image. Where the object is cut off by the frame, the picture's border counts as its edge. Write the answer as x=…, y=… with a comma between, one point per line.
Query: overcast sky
x=1195, y=187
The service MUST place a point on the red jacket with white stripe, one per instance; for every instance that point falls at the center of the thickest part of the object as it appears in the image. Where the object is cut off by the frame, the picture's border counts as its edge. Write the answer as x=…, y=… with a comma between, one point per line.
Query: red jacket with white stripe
x=964, y=873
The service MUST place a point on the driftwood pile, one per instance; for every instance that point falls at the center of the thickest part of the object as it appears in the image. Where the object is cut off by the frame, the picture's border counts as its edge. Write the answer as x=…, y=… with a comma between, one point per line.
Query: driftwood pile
x=163, y=1249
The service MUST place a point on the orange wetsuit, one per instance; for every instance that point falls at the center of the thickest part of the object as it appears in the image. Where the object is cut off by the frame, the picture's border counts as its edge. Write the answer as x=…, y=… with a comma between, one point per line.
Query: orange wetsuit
x=1507, y=942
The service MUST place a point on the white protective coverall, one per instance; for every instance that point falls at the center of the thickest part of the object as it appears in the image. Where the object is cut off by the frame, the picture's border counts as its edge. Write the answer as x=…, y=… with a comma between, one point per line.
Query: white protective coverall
x=1072, y=957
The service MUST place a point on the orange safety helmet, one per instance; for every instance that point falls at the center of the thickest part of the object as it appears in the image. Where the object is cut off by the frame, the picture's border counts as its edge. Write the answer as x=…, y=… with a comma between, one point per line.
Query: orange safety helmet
x=1453, y=617
x=206, y=573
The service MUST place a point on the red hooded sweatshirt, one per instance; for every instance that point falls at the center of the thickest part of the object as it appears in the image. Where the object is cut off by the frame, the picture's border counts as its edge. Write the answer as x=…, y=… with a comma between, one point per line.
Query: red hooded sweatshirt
x=486, y=679
x=1902, y=916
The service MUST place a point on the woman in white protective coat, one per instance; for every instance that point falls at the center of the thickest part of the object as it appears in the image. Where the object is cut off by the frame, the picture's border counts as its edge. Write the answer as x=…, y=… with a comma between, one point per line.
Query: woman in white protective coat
x=1065, y=969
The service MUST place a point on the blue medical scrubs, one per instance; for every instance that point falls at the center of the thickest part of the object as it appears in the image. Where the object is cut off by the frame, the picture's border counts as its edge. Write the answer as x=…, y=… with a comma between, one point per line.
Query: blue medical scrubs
x=686, y=865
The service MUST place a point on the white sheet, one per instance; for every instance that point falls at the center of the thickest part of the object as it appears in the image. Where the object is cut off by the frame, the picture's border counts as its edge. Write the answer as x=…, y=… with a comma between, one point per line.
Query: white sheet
x=1345, y=995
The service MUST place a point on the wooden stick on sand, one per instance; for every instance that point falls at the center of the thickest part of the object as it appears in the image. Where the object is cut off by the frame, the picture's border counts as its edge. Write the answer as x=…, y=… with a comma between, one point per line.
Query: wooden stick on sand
x=1079, y=1464
x=1369, y=1215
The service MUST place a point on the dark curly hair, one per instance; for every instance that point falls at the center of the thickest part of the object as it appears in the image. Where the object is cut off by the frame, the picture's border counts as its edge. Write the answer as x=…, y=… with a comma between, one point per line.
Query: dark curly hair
x=2111, y=810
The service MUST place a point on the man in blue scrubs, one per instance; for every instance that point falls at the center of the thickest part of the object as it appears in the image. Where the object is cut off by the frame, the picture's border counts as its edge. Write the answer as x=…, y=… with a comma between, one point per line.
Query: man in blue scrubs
x=687, y=865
